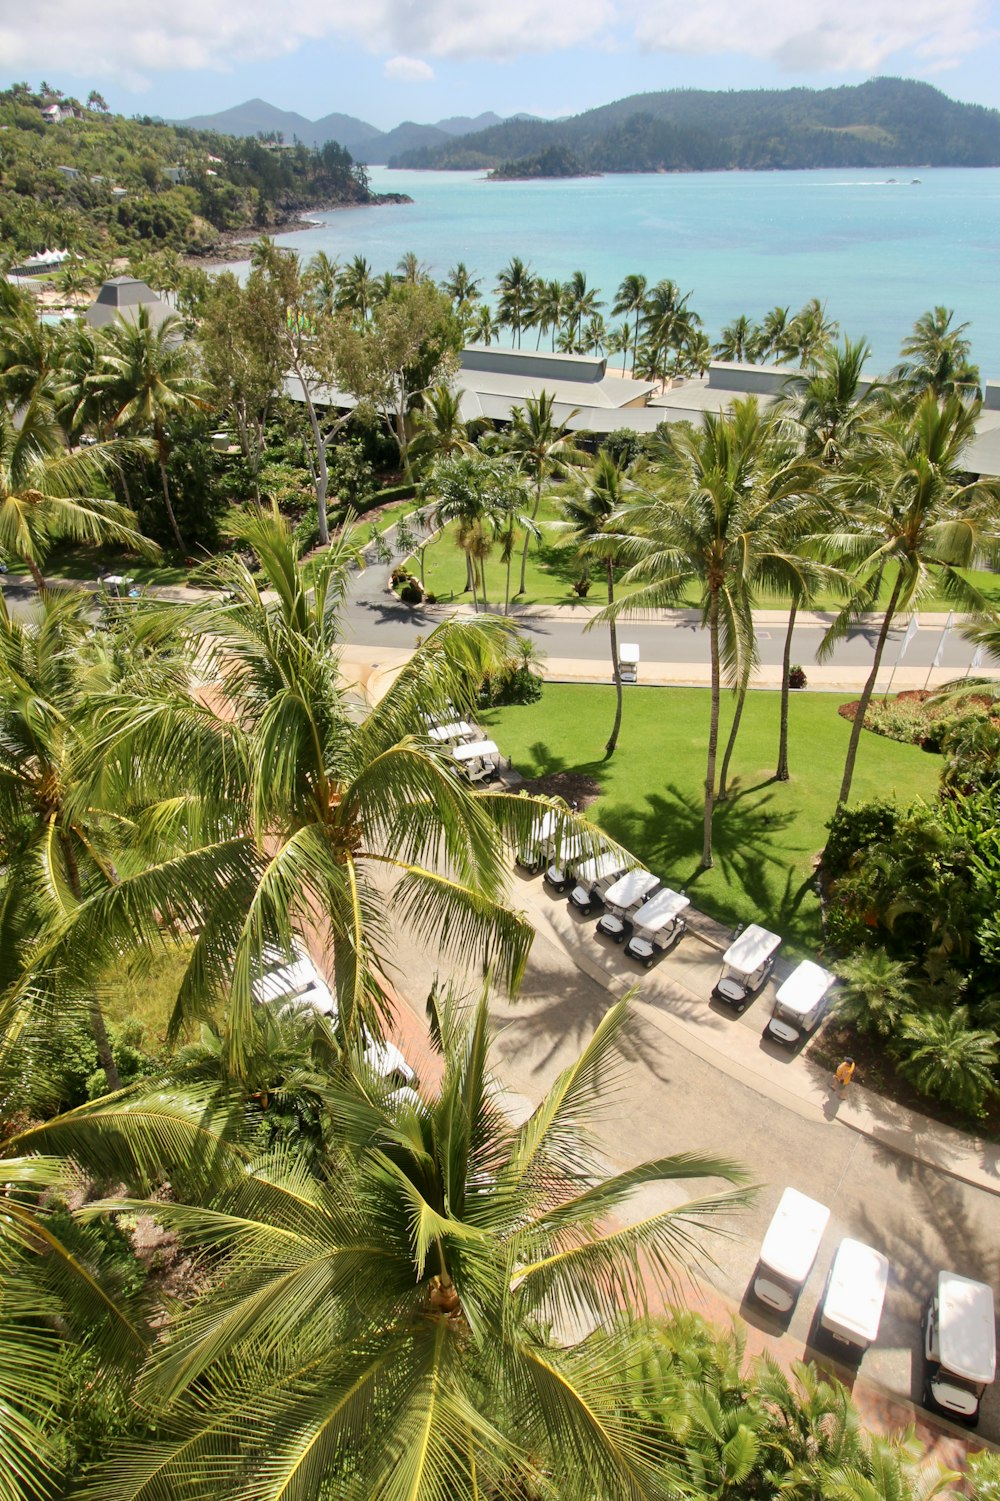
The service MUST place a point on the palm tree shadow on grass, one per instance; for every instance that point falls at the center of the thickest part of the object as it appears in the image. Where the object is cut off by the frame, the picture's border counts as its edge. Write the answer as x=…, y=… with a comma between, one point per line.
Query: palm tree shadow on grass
x=666, y=832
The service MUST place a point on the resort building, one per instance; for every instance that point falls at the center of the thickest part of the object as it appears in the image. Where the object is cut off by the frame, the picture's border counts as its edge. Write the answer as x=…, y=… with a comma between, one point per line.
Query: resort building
x=121, y=297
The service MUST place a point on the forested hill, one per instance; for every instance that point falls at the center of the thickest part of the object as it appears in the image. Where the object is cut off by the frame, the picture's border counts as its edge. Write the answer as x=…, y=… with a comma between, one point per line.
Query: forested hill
x=79, y=177
x=887, y=122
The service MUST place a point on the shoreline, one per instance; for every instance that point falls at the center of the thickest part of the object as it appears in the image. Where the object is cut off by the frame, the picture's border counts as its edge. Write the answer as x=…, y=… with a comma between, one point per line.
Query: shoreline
x=233, y=245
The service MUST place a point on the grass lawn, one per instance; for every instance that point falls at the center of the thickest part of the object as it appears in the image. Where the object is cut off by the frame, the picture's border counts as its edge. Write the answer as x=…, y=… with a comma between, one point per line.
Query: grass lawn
x=551, y=573
x=90, y=563
x=651, y=791
x=147, y=992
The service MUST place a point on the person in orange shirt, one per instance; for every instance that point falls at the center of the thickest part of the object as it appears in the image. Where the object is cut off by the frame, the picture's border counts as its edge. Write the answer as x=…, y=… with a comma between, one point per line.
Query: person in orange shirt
x=844, y=1075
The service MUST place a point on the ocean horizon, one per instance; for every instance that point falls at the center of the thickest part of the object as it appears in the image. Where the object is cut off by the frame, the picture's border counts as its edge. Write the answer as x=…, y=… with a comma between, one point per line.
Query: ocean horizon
x=877, y=247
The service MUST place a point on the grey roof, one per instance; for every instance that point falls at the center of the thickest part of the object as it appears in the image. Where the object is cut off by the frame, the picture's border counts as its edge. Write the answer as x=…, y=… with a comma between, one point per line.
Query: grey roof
x=121, y=297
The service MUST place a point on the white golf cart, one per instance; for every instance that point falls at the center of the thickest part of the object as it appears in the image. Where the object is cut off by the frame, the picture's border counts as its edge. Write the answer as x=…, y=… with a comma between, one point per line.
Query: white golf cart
x=628, y=662
x=789, y=1250
x=658, y=925
x=532, y=854
x=624, y=899
x=594, y=878
x=746, y=964
x=851, y=1310
x=800, y=1003
x=477, y=760
x=559, y=871
x=960, y=1346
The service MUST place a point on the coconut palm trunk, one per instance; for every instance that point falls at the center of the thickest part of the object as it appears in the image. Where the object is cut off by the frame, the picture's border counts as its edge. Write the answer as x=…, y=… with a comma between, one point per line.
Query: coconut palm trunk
x=609, y=749
x=869, y=689
x=527, y=533
x=781, y=774
x=161, y=459
x=97, y=1024
x=741, y=698
x=322, y=474
x=707, y=860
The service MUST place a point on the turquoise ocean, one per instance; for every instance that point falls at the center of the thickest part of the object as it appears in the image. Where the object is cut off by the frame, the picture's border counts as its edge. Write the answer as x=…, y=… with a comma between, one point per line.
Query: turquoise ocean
x=878, y=252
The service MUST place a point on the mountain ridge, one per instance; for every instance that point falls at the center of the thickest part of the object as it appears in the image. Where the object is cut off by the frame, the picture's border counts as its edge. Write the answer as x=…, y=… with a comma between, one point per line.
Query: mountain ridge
x=364, y=141
x=885, y=122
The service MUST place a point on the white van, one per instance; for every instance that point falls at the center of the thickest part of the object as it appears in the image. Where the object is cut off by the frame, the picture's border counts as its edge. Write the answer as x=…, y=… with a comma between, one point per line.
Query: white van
x=657, y=925
x=851, y=1310
x=800, y=1003
x=624, y=899
x=746, y=964
x=594, y=878
x=789, y=1250
x=960, y=1345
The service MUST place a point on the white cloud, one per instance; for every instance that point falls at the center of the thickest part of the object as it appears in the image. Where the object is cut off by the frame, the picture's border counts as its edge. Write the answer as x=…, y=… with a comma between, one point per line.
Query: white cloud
x=131, y=41
x=408, y=70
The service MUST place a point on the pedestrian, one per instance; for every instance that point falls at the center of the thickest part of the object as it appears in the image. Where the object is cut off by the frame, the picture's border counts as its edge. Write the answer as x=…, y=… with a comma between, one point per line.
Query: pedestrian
x=844, y=1075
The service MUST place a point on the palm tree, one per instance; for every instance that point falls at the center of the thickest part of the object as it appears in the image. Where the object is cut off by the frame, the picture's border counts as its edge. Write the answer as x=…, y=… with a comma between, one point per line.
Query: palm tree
x=549, y=308
x=913, y=518
x=938, y=358
x=809, y=333
x=411, y=268
x=875, y=993
x=320, y=280
x=619, y=341
x=514, y=286
x=387, y=1320
x=307, y=811
x=832, y=402
x=460, y=285
x=667, y=320
x=440, y=428
x=949, y=1059
x=773, y=333
x=630, y=302
x=738, y=340
x=582, y=302
x=357, y=288
x=589, y=526
x=714, y=522
x=542, y=447
x=485, y=327
x=148, y=377
x=47, y=493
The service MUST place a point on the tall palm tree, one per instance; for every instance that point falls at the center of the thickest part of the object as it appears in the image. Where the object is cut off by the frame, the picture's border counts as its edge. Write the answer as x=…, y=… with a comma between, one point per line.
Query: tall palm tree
x=542, y=447
x=630, y=302
x=485, y=327
x=582, y=302
x=440, y=428
x=913, y=519
x=619, y=341
x=809, y=333
x=320, y=279
x=386, y=1320
x=712, y=523
x=938, y=358
x=411, y=268
x=667, y=320
x=514, y=287
x=773, y=333
x=311, y=820
x=48, y=493
x=550, y=307
x=148, y=377
x=590, y=527
x=460, y=285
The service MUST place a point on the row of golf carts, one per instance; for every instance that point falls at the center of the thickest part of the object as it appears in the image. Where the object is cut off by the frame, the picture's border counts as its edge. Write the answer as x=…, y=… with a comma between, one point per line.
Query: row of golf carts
x=958, y=1320
x=476, y=758
x=648, y=918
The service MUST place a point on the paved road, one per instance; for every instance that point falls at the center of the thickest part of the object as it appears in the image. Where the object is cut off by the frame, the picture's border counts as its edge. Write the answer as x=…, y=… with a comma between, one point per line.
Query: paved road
x=373, y=616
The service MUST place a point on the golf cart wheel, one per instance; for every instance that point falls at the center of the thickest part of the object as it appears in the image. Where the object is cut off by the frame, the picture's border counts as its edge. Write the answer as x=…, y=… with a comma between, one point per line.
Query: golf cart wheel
x=648, y=963
x=618, y=937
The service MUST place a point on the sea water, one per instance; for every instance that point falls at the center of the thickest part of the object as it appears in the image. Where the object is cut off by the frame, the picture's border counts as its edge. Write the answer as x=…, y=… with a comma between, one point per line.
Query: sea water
x=877, y=247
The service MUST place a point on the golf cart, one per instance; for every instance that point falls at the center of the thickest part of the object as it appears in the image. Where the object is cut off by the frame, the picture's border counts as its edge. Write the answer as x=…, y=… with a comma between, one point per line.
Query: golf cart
x=559, y=871
x=594, y=878
x=789, y=1250
x=532, y=854
x=799, y=1004
x=960, y=1346
x=477, y=760
x=628, y=662
x=624, y=899
x=657, y=925
x=746, y=964
x=851, y=1309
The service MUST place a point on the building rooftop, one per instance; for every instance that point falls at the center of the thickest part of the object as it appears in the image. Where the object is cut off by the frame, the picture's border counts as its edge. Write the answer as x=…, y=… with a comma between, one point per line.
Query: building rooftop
x=121, y=297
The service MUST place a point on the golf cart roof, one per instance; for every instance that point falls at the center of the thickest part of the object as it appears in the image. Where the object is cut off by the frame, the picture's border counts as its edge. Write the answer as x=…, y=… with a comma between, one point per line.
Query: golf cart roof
x=807, y=984
x=599, y=868
x=633, y=886
x=748, y=952
x=628, y=652
x=474, y=748
x=856, y=1290
x=661, y=909
x=793, y=1236
x=966, y=1328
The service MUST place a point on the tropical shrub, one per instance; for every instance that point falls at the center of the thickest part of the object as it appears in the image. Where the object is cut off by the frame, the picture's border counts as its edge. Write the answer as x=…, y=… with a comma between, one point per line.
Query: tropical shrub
x=947, y=1058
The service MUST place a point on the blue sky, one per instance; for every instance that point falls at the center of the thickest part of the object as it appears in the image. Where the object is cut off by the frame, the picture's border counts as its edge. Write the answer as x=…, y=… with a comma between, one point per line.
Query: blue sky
x=388, y=60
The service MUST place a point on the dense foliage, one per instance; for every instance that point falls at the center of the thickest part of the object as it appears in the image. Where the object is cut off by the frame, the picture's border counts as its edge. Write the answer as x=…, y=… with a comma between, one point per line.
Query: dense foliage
x=886, y=122
x=101, y=184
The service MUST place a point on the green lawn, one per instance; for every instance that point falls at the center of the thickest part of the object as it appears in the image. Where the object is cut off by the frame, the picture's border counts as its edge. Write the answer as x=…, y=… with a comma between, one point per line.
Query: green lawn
x=552, y=573
x=83, y=564
x=766, y=835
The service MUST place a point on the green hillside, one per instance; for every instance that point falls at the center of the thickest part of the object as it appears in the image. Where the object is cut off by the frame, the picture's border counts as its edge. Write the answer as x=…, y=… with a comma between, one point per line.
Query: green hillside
x=100, y=184
x=887, y=122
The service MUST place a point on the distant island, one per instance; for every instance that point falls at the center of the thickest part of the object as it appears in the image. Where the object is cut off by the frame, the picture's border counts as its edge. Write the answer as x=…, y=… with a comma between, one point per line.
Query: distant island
x=554, y=161
x=887, y=122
